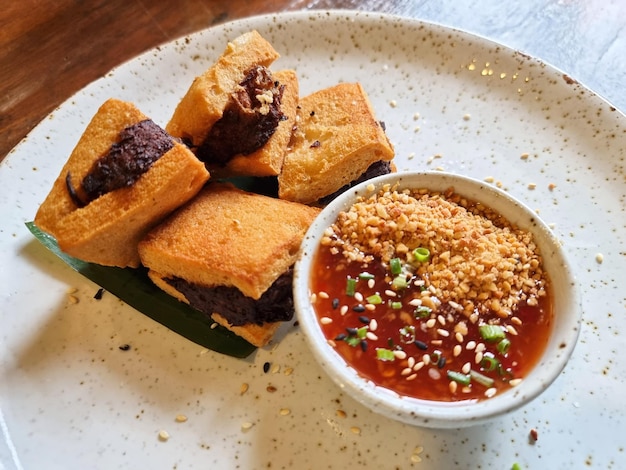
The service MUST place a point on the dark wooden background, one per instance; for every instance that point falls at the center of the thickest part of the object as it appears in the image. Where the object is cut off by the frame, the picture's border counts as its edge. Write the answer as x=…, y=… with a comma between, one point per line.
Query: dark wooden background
x=50, y=50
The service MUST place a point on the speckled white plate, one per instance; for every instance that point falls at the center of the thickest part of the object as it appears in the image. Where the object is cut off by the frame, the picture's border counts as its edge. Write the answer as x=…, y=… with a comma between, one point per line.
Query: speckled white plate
x=71, y=398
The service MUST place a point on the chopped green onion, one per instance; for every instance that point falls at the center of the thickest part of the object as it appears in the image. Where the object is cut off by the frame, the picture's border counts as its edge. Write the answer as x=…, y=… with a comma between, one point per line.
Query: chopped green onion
x=383, y=354
x=481, y=379
x=422, y=311
x=516, y=466
x=458, y=377
x=366, y=276
x=361, y=332
x=503, y=346
x=489, y=363
x=396, y=305
x=421, y=254
x=399, y=282
x=350, y=287
x=375, y=299
x=407, y=334
x=353, y=340
x=491, y=332
x=396, y=266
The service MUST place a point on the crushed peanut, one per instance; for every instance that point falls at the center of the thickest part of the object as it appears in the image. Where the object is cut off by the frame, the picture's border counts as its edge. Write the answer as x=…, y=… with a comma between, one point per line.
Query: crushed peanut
x=479, y=261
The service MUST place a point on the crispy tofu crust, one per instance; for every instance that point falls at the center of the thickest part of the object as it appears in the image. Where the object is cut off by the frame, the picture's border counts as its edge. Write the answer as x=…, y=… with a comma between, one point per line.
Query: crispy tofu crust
x=336, y=139
x=203, y=104
x=228, y=237
x=108, y=229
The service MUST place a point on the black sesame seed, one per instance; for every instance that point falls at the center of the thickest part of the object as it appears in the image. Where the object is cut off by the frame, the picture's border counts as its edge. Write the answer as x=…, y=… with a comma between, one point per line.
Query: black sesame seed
x=365, y=320
x=441, y=362
x=125, y=347
x=99, y=294
x=335, y=303
x=363, y=345
x=266, y=367
x=351, y=331
x=359, y=308
x=421, y=345
x=341, y=337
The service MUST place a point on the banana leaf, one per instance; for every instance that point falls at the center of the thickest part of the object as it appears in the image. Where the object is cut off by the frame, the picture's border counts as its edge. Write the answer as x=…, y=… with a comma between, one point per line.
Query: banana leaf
x=133, y=286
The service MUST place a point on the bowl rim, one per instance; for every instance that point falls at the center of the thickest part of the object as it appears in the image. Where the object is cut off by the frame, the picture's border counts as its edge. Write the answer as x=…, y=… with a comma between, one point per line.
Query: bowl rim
x=428, y=413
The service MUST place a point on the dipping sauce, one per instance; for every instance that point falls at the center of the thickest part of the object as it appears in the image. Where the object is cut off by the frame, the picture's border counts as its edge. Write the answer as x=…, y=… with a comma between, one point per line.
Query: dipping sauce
x=432, y=295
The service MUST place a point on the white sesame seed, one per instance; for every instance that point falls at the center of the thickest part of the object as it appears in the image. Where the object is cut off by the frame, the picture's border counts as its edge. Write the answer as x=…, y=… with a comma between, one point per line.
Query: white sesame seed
x=456, y=351
x=323, y=295
x=406, y=371
x=452, y=386
x=490, y=392
x=442, y=332
x=599, y=258
x=516, y=320
x=371, y=283
x=399, y=354
x=480, y=347
x=511, y=329
x=358, y=297
x=470, y=345
x=373, y=324
x=371, y=336
x=181, y=418
x=410, y=361
x=313, y=298
x=415, y=302
x=326, y=320
x=163, y=435
x=284, y=411
x=370, y=307
x=431, y=322
x=426, y=359
x=515, y=382
x=343, y=310
x=466, y=368
x=418, y=366
x=412, y=377
x=390, y=293
x=478, y=357
x=246, y=425
x=434, y=374
x=459, y=337
x=436, y=342
x=441, y=319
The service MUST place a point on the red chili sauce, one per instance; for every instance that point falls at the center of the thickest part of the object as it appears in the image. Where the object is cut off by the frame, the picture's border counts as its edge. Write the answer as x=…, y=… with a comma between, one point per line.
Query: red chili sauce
x=417, y=359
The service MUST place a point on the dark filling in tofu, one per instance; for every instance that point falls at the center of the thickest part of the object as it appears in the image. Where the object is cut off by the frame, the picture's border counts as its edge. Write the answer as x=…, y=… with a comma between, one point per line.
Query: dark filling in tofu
x=375, y=169
x=137, y=148
x=276, y=304
x=249, y=120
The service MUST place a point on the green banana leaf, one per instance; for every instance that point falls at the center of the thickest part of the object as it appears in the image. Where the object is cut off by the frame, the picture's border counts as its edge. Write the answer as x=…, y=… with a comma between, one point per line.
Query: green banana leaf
x=134, y=287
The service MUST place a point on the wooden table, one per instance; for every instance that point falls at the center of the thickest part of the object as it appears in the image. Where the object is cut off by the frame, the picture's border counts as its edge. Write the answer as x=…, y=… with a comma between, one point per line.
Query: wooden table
x=50, y=50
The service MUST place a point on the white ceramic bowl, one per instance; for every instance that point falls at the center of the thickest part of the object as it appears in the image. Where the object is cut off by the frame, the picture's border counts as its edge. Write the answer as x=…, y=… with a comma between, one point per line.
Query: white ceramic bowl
x=435, y=414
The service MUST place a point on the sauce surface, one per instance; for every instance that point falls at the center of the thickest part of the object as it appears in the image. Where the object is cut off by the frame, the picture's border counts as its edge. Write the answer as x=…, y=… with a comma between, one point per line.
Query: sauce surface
x=384, y=315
